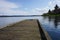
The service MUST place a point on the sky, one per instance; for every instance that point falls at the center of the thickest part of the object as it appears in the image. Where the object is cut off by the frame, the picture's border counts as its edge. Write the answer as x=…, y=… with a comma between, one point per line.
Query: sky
x=26, y=7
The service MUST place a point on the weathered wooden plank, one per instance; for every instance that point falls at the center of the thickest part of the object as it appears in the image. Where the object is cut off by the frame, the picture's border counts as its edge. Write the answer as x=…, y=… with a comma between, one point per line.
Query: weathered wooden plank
x=24, y=30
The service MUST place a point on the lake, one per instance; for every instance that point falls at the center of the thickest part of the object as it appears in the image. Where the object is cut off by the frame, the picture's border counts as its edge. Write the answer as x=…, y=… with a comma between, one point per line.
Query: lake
x=50, y=24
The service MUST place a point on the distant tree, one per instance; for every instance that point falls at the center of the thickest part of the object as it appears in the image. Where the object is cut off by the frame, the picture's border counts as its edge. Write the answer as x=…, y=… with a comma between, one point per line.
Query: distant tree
x=56, y=11
x=49, y=11
x=56, y=7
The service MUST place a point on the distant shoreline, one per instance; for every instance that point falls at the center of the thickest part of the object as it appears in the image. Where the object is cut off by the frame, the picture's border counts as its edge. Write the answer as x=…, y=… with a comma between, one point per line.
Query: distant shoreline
x=51, y=15
x=20, y=15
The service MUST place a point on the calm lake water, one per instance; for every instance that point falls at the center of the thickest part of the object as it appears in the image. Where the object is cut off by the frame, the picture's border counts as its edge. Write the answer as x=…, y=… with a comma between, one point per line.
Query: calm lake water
x=51, y=24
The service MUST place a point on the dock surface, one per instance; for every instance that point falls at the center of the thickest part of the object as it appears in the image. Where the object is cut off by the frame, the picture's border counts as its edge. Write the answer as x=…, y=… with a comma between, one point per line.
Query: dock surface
x=24, y=30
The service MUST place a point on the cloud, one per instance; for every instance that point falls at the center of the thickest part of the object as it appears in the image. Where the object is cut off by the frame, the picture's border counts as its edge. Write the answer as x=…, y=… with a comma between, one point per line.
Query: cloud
x=6, y=8
x=45, y=9
x=52, y=3
x=40, y=11
x=6, y=4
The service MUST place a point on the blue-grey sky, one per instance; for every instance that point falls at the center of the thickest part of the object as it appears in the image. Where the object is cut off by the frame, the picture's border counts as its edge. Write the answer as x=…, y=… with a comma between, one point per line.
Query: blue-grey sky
x=26, y=7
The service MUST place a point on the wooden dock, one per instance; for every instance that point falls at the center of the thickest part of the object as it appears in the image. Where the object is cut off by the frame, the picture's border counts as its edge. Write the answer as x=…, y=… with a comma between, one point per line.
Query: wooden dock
x=24, y=30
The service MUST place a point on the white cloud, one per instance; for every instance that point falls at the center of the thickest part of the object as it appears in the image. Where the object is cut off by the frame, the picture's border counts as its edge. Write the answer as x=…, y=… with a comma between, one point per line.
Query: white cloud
x=52, y=3
x=57, y=0
x=45, y=9
x=6, y=8
x=5, y=4
x=40, y=11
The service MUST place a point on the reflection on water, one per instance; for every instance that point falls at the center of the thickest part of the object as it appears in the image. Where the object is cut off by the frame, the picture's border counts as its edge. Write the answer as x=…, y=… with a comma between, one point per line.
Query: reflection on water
x=54, y=26
x=51, y=24
x=55, y=19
